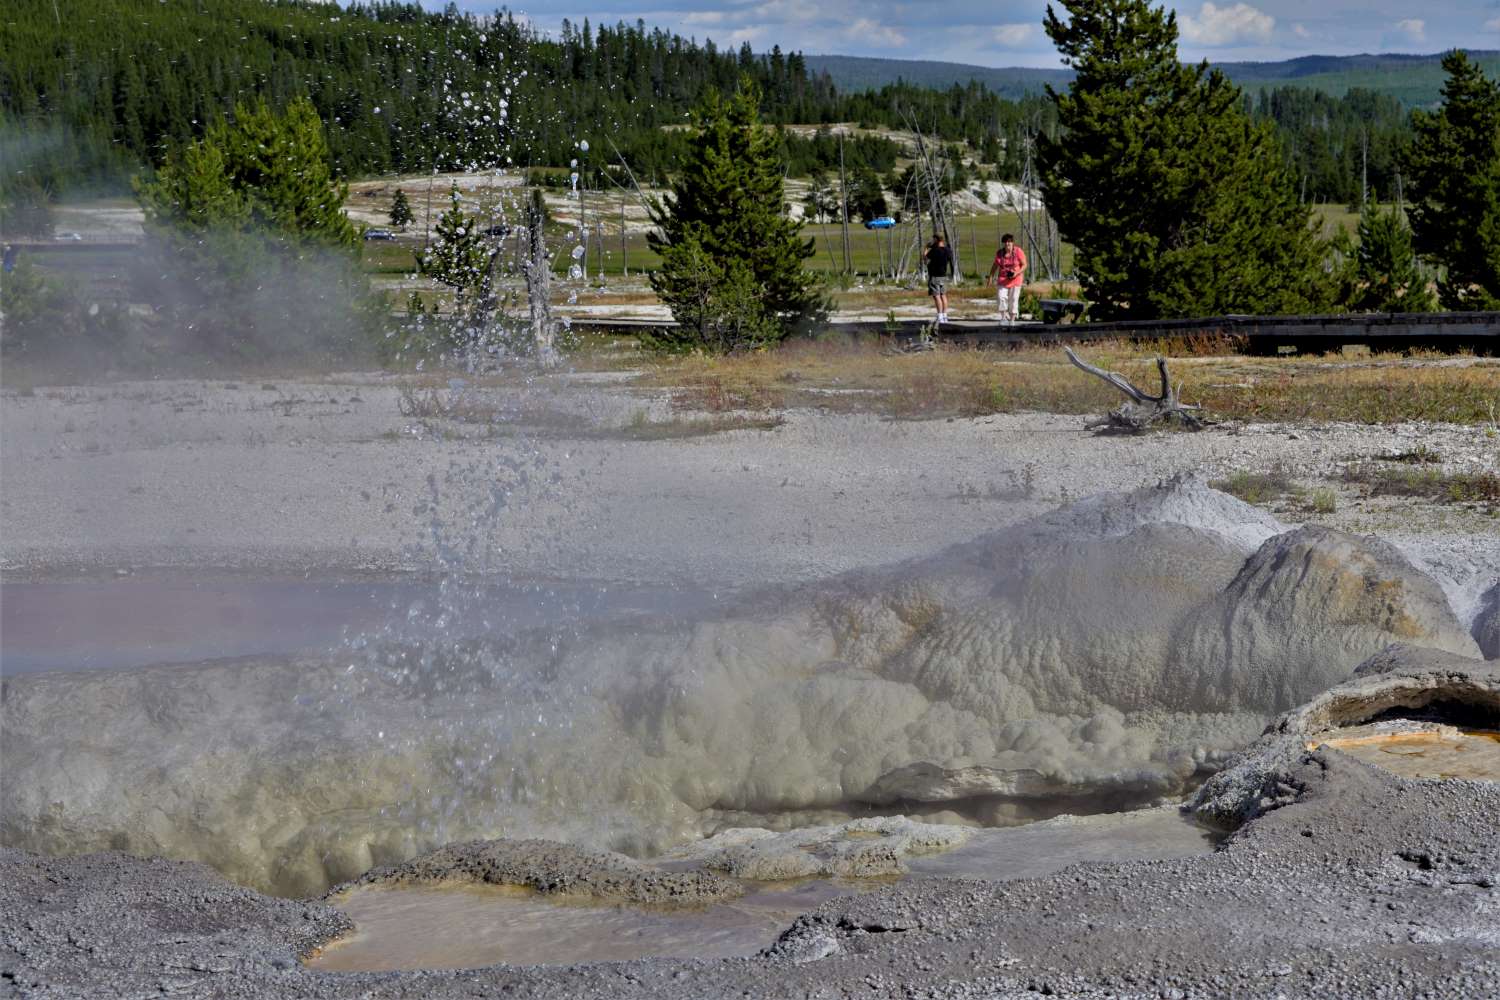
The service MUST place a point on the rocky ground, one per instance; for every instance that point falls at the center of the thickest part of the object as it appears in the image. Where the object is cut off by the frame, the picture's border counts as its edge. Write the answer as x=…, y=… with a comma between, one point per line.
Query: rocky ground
x=1341, y=881
x=1346, y=881
x=587, y=477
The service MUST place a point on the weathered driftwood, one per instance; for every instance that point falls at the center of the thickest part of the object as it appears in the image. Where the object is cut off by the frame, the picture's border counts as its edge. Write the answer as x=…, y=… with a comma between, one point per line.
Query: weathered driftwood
x=1144, y=409
x=538, y=274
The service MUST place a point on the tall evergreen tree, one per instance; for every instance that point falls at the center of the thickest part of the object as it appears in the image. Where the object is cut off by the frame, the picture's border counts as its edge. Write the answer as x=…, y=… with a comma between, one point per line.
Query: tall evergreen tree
x=822, y=200
x=401, y=214
x=1387, y=278
x=1178, y=204
x=456, y=257
x=25, y=209
x=1454, y=167
x=867, y=199
x=725, y=214
x=248, y=245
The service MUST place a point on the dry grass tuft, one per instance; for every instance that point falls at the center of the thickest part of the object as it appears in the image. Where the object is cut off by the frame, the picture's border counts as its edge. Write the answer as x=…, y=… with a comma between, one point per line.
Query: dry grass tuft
x=1481, y=488
x=642, y=428
x=843, y=374
x=1258, y=487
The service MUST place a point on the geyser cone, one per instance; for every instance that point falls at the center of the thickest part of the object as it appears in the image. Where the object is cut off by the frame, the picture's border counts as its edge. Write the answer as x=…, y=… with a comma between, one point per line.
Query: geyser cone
x=1036, y=669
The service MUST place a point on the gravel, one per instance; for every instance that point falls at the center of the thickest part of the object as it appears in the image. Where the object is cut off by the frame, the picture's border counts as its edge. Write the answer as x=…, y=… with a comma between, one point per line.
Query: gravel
x=1364, y=885
x=1361, y=885
x=328, y=477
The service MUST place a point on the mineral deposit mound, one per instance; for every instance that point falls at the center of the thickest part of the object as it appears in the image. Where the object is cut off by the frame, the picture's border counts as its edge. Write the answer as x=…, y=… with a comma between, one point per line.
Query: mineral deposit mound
x=1103, y=656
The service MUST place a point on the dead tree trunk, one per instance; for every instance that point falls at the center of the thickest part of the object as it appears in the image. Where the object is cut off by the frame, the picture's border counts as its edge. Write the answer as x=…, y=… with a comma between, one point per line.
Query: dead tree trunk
x=538, y=273
x=486, y=307
x=1144, y=409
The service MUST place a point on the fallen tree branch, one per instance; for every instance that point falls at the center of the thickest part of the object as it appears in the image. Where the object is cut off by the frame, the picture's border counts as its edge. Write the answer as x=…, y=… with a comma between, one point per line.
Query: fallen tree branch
x=1144, y=409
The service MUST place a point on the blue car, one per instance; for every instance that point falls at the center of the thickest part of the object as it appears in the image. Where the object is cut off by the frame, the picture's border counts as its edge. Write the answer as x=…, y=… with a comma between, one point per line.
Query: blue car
x=880, y=222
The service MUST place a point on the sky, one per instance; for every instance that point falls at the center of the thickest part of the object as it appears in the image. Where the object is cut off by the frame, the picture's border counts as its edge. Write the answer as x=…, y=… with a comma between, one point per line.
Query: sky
x=1009, y=33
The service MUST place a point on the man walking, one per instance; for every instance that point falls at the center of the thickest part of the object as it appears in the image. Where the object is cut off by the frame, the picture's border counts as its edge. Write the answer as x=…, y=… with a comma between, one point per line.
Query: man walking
x=939, y=266
x=1009, y=274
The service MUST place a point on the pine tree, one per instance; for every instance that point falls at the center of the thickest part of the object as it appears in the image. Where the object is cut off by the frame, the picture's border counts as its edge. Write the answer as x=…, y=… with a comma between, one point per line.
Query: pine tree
x=821, y=200
x=25, y=208
x=248, y=243
x=255, y=171
x=867, y=200
x=715, y=300
x=1386, y=272
x=1454, y=168
x=457, y=256
x=1178, y=204
x=724, y=217
x=282, y=163
x=401, y=214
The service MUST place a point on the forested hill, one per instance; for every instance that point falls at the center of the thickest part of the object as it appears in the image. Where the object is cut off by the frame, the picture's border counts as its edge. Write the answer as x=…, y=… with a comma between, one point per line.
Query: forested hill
x=90, y=90
x=864, y=73
x=1414, y=80
x=95, y=83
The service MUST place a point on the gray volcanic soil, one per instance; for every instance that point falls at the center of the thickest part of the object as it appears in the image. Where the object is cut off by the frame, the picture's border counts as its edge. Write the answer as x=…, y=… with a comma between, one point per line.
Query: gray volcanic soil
x=1342, y=880
x=1363, y=885
x=328, y=476
x=1356, y=883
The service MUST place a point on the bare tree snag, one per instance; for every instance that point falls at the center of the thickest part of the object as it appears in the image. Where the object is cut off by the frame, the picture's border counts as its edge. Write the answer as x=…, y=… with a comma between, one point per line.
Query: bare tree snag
x=1143, y=410
x=538, y=274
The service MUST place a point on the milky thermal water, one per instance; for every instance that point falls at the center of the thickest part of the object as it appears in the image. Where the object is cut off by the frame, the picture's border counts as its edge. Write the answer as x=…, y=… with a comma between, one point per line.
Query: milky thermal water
x=467, y=926
x=1075, y=663
x=138, y=621
x=459, y=927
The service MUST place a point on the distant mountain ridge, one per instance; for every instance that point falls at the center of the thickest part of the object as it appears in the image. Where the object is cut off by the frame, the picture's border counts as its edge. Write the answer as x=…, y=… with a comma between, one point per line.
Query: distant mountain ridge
x=1415, y=80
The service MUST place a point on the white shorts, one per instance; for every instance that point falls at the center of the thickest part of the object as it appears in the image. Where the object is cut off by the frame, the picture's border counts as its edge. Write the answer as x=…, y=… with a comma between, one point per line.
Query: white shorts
x=1010, y=300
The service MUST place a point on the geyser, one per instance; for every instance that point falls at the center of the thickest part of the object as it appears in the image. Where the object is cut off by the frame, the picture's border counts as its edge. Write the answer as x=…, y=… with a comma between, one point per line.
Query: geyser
x=1102, y=656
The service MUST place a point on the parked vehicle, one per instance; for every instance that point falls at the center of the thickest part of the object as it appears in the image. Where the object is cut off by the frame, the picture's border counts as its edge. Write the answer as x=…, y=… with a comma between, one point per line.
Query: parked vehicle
x=381, y=235
x=880, y=222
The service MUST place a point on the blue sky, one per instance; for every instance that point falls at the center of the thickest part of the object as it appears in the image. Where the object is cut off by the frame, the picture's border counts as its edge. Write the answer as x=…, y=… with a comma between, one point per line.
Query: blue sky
x=1009, y=33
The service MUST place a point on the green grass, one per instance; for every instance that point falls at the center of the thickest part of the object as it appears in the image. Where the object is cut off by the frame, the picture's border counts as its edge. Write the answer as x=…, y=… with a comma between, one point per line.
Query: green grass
x=1258, y=487
x=978, y=238
x=1481, y=488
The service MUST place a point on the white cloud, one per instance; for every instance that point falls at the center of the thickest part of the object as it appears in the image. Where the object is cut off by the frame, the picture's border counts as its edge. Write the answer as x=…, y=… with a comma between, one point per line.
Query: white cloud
x=1014, y=36
x=1216, y=25
x=1300, y=30
x=787, y=12
x=1493, y=24
x=1414, y=28
x=873, y=33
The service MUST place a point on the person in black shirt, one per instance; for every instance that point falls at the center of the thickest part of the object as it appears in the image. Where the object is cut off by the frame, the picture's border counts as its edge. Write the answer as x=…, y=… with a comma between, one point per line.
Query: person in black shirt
x=939, y=266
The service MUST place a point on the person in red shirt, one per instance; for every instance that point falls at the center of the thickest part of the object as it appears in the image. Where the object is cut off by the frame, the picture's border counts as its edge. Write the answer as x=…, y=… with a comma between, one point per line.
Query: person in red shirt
x=1009, y=274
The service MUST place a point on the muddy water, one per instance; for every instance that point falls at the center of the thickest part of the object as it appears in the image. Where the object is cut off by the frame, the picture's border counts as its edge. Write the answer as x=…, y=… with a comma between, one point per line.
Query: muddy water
x=1428, y=752
x=460, y=927
x=138, y=621
x=470, y=926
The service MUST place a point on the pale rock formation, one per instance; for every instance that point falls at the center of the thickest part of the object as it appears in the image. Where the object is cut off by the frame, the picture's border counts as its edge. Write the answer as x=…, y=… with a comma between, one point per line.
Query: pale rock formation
x=1399, y=680
x=863, y=848
x=1096, y=658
